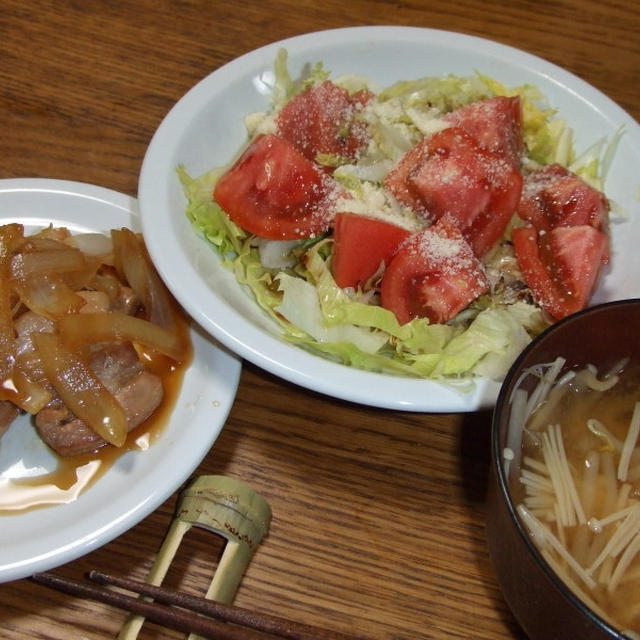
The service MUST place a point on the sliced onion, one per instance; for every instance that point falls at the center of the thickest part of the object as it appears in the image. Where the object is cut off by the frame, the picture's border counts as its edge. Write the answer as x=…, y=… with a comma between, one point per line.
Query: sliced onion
x=108, y=284
x=43, y=256
x=130, y=262
x=276, y=254
x=11, y=237
x=36, y=274
x=81, y=390
x=160, y=312
x=95, y=301
x=137, y=270
x=29, y=395
x=96, y=245
x=33, y=244
x=59, y=234
x=48, y=296
x=29, y=361
x=9, y=234
x=7, y=340
x=27, y=264
x=112, y=326
x=81, y=278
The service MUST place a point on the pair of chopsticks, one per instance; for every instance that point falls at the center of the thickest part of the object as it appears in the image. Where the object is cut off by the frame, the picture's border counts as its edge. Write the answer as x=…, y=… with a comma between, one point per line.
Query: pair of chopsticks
x=187, y=613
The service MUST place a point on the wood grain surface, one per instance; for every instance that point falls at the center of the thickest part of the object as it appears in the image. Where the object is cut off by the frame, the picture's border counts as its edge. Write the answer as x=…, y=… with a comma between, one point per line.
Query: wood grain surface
x=378, y=516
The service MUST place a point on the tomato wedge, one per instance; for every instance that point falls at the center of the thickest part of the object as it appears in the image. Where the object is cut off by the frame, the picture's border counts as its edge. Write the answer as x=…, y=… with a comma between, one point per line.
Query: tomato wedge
x=323, y=119
x=433, y=275
x=560, y=266
x=360, y=244
x=449, y=174
x=273, y=191
x=553, y=196
x=495, y=124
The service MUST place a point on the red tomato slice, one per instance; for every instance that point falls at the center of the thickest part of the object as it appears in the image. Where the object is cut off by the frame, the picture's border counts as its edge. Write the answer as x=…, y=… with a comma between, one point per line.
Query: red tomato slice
x=495, y=124
x=360, y=244
x=274, y=192
x=433, y=275
x=577, y=255
x=397, y=183
x=322, y=119
x=451, y=177
x=449, y=174
x=553, y=196
x=543, y=288
x=560, y=266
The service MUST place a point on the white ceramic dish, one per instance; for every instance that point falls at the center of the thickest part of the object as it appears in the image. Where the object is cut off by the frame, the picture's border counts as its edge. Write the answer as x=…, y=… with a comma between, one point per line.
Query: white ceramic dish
x=138, y=481
x=205, y=129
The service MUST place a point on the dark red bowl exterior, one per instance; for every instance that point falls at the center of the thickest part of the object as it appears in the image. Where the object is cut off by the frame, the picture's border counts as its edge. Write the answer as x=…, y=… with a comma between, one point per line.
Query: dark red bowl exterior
x=543, y=606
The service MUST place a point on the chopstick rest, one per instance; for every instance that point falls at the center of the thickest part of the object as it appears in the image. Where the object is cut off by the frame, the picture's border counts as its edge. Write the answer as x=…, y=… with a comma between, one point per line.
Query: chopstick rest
x=222, y=505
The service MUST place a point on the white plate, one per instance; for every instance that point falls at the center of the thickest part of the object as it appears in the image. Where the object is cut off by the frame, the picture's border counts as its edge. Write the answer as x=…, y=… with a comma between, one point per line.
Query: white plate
x=205, y=129
x=138, y=481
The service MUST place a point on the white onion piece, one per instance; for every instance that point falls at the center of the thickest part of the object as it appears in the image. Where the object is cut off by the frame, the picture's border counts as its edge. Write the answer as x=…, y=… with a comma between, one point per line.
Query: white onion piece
x=91, y=244
x=276, y=254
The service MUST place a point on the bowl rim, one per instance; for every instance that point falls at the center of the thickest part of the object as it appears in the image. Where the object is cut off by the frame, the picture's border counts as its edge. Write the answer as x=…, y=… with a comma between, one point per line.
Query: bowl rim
x=496, y=460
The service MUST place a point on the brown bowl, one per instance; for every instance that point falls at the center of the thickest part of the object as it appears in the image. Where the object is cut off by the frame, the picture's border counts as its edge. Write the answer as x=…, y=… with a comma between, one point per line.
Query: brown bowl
x=545, y=608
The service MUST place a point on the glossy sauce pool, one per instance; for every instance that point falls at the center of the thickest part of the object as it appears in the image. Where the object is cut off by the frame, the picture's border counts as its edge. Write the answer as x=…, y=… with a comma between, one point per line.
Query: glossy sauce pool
x=72, y=475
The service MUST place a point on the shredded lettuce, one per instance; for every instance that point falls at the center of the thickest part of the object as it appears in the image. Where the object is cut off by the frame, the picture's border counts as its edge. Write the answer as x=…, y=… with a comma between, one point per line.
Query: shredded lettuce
x=206, y=216
x=347, y=325
x=353, y=83
x=283, y=86
x=592, y=165
x=301, y=307
x=445, y=93
x=497, y=338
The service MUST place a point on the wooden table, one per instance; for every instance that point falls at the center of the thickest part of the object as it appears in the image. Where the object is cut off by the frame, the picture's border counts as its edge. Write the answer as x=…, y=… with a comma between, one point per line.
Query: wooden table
x=378, y=516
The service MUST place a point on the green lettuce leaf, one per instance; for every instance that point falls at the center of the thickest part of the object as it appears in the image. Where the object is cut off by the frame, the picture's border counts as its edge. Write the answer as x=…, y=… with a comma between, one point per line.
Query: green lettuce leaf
x=206, y=216
x=445, y=93
x=487, y=347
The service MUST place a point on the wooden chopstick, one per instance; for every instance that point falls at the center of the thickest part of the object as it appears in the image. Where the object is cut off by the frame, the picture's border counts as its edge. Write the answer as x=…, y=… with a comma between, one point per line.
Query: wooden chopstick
x=186, y=613
x=170, y=617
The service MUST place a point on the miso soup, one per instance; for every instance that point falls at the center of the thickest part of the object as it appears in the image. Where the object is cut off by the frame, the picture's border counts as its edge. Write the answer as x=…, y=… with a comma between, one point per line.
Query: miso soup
x=574, y=473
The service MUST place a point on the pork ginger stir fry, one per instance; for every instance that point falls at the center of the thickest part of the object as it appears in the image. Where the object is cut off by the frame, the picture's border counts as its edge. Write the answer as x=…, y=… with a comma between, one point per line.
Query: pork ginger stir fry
x=79, y=316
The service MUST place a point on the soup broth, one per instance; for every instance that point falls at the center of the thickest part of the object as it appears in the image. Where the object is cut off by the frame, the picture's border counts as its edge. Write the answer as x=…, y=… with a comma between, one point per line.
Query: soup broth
x=576, y=483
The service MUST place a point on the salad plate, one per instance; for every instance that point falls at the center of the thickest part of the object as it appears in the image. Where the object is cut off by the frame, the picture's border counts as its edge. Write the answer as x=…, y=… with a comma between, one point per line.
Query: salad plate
x=206, y=129
x=139, y=480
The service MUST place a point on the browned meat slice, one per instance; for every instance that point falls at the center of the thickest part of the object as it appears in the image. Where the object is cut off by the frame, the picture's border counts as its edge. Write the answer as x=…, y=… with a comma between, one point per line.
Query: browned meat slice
x=64, y=433
x=140, y=397
x=115, y=364
x=138, y=391
x=8, y=413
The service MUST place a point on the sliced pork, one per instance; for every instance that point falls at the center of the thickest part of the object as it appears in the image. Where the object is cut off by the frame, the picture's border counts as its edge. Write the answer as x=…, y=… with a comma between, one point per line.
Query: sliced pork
x=138, y=391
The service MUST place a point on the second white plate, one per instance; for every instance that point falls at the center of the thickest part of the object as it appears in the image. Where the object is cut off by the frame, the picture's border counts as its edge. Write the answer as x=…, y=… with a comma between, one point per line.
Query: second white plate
x=139, y=481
